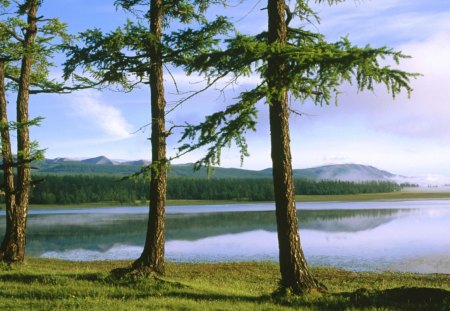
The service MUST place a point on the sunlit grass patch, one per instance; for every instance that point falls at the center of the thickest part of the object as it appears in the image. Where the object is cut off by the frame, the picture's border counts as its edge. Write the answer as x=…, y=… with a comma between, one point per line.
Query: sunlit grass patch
x=48, y=284
x=398, y=195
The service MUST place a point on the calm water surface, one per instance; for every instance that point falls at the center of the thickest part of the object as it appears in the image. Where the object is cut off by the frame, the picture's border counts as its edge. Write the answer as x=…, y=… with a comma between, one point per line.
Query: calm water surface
x=392, y=235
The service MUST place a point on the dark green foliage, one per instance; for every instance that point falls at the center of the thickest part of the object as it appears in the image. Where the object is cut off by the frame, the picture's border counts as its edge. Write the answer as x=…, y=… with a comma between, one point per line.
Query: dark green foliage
x=121, y=57
x=262, y=189
x=221, y=189
x=50, y=40
x=332, y=187
x=75, y=189
x=184, y=11
x=78, y=189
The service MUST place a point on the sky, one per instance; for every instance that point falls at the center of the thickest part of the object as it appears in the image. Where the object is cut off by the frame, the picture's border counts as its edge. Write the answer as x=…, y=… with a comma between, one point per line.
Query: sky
x=406, y=136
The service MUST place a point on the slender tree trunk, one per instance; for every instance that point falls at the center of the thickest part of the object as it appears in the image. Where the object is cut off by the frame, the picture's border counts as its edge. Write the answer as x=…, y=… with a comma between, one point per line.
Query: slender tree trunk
x=8, y=249
x=152, y=257
x=13, y=246
x=293, y=267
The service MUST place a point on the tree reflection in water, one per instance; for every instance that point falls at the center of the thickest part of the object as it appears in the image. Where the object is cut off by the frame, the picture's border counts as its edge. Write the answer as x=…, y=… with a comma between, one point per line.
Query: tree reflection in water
x=351, y=236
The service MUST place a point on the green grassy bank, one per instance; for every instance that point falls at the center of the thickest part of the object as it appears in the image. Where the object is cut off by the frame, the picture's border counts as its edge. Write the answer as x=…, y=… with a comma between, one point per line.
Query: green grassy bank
x=399, y=195
x=140, y=203
x=45, y=284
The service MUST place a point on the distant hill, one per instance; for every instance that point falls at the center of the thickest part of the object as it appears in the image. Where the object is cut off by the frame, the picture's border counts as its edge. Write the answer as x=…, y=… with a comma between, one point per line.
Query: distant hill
x=101, y=160
x=349, y=172
x=103, y=165
x=187, y=170
x=136, y=163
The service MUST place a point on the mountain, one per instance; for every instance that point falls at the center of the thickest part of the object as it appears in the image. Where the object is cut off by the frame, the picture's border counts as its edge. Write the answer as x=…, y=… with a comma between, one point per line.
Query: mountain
x=349, y=172
x=103, y=165
x=187, y=170
x=136, y=163
x=57, y=160
x=101, y=160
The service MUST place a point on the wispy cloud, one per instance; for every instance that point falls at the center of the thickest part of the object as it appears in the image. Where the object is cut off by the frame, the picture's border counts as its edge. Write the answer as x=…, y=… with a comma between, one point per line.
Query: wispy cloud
x=428, y=110
x=89, y=108
x=383, y=21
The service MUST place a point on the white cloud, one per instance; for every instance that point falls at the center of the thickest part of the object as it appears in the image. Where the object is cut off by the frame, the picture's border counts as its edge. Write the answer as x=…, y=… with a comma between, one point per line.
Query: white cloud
x=383, y=20
x=427, y=114
x=89, y=107
x=408, y=136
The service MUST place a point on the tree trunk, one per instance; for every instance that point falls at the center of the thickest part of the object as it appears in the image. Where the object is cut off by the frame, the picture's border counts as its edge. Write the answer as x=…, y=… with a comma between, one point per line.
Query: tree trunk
x=295, y=275
x=9, y=246
x=13, y=246
x=152, y=257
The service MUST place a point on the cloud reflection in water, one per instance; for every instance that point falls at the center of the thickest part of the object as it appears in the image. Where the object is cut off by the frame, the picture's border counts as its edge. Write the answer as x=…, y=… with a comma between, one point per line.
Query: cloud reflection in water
x=416, y=240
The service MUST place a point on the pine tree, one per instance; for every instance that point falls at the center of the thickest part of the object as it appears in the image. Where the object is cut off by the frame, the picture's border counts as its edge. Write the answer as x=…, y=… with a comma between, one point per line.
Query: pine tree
x=136, y=54
x=290, y=61
x=26, y=43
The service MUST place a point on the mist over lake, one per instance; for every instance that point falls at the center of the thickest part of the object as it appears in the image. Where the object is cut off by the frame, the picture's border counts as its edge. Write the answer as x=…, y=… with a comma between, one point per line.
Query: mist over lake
x=395, y=235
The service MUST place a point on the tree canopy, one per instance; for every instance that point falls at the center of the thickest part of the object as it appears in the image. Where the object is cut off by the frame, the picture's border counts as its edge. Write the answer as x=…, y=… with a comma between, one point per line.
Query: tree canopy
x=136, y=54
x=290, y=62
x=315, y=69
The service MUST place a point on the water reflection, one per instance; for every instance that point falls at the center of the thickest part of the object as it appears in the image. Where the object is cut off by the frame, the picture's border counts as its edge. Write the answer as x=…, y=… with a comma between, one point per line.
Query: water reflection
x=102, y=231
x=400, y=238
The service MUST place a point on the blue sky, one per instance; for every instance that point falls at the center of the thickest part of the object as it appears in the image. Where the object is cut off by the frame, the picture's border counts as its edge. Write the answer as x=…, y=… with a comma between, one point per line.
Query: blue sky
x=405, y=136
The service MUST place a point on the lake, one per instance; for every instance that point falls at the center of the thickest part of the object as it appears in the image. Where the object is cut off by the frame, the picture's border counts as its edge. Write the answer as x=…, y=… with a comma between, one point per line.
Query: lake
x=392, y=235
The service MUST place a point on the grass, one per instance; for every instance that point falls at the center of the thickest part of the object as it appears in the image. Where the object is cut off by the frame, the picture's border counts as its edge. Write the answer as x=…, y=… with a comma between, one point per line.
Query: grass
x=401, y=195
x=398, y=195
x=48, y=284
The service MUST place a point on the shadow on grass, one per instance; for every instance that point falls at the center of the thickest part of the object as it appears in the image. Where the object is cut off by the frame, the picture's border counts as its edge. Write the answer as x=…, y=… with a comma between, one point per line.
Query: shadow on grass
x=403, y=295
x=196, y=296
x=103, y=278
x=30, y=278
x=50, y=278
x=402, y=298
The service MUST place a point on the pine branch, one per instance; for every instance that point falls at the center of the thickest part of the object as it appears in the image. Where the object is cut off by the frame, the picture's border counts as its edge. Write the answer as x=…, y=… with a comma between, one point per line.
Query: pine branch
x=55, y=88
x=195, y=93
x=12, y=33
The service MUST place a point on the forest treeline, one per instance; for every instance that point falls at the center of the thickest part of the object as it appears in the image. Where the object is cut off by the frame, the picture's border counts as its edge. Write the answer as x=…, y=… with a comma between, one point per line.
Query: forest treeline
x=77, y=189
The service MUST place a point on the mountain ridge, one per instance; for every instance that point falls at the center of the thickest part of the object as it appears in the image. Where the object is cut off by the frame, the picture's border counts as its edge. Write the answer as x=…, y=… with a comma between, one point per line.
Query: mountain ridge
x=103, y=165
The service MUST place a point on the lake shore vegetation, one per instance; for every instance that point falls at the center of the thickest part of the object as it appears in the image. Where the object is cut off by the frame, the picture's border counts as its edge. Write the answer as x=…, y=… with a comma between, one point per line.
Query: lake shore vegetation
x=83, y=189
x=300, y=198
x=49, y=284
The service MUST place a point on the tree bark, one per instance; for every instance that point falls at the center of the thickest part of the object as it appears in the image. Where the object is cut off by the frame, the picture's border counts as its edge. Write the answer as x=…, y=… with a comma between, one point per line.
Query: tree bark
x=13, y=245
x=295, y=275
x=9, y=244
x=152, y=257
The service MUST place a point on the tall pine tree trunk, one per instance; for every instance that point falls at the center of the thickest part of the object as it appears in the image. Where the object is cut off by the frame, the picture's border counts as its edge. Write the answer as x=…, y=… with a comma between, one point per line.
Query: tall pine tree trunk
x=13, y=245
x=152, y=257
x=9, y=246
x=295, y=275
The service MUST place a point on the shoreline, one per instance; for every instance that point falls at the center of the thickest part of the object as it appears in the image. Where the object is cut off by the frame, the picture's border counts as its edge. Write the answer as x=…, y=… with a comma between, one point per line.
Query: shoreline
x=367, y=197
